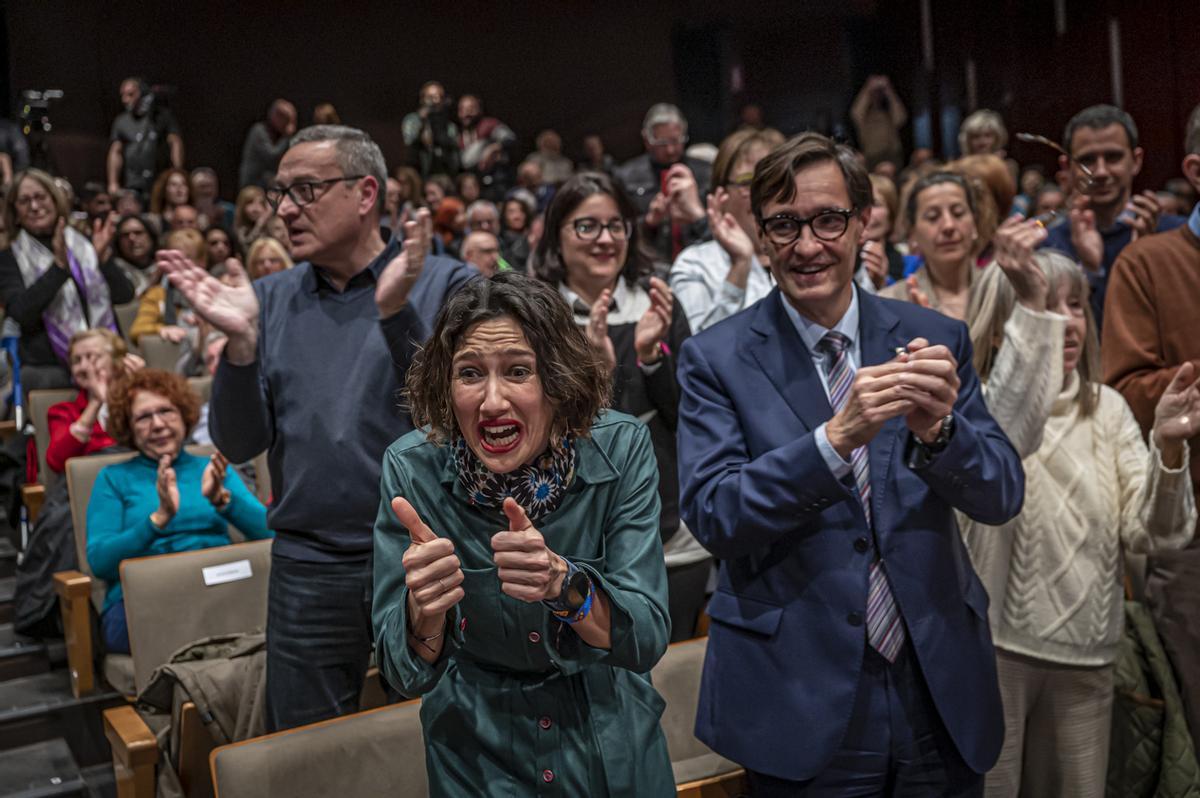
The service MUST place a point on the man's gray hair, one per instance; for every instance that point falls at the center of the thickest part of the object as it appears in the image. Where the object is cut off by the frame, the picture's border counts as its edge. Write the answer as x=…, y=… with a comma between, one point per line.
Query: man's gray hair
x=482, y=205
x=663, y=114
x=357, y=153
x=1191, y=139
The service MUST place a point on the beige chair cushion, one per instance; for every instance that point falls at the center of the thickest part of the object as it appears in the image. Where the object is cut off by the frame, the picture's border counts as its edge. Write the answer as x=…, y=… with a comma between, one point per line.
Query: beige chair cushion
x=39, y=408
x=118, y=672
x=677, y=679
x=168, y=603
x=125, y=315
x=160, y=353
x=202, y=386
x=378, y=752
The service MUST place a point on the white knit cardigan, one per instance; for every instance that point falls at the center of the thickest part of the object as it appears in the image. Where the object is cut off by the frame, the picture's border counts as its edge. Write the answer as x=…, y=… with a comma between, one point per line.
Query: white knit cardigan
x=1054, y=573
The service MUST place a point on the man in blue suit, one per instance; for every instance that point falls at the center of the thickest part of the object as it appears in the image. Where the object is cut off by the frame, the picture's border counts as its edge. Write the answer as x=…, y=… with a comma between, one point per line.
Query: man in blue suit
x=826, y=438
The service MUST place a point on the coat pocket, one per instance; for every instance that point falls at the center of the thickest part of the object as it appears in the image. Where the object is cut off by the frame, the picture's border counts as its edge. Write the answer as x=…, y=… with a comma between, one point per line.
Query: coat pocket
x=751, y=615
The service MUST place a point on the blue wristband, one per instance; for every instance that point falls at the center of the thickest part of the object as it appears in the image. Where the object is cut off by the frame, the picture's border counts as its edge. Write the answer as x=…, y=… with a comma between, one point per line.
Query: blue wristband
x=573, y=618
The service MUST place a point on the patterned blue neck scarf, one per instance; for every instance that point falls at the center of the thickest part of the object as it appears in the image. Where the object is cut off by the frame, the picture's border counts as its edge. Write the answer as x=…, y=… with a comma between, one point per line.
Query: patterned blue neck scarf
x=538, y=487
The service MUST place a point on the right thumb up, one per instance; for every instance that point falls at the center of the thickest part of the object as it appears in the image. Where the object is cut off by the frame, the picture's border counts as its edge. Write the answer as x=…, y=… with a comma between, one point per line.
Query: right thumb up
x=417, y=530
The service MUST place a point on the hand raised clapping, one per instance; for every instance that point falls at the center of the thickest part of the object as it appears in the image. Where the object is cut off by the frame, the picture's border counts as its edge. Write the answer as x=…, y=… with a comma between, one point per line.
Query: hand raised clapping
x=1015, y=243
x=1177, y=415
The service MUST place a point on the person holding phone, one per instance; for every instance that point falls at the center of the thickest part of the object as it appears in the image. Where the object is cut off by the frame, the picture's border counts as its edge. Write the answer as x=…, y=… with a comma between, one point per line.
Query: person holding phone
x=589, y=252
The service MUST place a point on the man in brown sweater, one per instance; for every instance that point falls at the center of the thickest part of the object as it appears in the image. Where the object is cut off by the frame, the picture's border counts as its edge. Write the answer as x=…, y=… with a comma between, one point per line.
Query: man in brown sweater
x=1152, y=327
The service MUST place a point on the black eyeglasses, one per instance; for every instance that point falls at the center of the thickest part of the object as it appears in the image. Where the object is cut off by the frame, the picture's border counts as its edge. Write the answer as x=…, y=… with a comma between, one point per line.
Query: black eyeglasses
x=589, y=229
x=783, y=229
x=305, y=192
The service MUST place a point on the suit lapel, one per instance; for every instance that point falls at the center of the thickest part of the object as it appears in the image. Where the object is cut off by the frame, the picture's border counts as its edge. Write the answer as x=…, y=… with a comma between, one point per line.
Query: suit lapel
x=881, y=334
x=782, y=355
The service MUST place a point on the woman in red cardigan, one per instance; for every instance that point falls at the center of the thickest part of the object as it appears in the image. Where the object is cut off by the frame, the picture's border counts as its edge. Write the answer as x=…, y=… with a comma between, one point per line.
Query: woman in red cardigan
x=94, y=357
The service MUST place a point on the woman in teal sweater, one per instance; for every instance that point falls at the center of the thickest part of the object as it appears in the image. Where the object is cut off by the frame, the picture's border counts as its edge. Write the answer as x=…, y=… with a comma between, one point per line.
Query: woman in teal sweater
x=164, y=500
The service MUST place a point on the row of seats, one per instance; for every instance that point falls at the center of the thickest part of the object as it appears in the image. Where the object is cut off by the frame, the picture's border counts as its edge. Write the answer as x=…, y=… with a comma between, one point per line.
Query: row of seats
x=169, y=605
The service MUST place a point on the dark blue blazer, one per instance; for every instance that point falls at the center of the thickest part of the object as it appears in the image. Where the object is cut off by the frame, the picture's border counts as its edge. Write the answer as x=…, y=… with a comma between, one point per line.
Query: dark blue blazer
x=787, y=639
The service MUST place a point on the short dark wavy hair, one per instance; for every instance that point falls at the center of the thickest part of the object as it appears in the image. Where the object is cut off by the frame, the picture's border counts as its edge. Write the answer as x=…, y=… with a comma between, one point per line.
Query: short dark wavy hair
x=173, y=387
x=775, y=175
x=572, y=374
x=546, y=261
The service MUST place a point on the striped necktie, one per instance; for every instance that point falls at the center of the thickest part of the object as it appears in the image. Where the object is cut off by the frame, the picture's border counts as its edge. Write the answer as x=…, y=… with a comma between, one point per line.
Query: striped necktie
x=885, y=632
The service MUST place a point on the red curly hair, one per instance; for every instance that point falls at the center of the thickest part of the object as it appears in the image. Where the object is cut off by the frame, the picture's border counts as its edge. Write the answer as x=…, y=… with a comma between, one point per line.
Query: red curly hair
x=173, y=387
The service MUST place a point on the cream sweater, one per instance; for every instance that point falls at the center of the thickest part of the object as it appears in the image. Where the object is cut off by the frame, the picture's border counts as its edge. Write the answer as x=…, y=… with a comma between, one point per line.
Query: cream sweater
x=1054, y=573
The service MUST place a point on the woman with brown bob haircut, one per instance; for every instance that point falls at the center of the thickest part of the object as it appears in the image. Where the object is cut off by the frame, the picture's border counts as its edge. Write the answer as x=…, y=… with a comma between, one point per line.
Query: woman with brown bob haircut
x=165, y=499
x=519, y=579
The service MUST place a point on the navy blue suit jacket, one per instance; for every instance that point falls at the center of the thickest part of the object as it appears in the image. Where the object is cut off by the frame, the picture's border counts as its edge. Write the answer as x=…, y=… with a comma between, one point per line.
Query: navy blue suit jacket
x=787, y=640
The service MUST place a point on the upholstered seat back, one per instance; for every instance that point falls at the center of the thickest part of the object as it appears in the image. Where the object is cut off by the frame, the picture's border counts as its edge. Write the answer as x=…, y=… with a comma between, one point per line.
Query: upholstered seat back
x=377, y=752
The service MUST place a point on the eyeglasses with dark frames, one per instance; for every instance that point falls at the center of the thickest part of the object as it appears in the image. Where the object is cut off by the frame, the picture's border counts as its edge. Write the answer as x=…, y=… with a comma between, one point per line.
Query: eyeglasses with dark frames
x=1086, y=182
x=784, y=229
x=304, y=192
x=588, y=229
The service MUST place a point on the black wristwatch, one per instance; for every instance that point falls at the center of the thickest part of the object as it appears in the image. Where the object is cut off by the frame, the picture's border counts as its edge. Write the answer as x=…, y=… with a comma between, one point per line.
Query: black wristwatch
x=576, y=587
x=923, y=453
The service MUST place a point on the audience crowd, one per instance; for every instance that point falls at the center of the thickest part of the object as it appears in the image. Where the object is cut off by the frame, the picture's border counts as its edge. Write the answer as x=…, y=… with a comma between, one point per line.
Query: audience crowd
x=324, y=296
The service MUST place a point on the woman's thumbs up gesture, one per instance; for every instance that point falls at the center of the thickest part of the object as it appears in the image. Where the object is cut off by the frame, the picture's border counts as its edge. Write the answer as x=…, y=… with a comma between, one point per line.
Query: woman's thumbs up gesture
x=528, y=570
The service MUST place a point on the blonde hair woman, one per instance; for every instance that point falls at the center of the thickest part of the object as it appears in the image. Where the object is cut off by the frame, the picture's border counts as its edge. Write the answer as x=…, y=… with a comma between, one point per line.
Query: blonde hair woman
x=267, y=256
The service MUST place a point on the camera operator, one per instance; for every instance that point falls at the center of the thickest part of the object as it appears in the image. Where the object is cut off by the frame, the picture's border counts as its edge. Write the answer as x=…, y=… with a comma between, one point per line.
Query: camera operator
x=430, y=135
x=145, y=140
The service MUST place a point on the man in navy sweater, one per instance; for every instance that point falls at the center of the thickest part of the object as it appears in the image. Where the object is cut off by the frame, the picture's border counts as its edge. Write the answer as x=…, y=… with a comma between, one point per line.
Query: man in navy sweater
x=312, y=373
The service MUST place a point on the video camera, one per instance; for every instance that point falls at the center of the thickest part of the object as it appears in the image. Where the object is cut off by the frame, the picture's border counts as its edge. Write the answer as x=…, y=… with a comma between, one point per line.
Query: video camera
x=35, y=109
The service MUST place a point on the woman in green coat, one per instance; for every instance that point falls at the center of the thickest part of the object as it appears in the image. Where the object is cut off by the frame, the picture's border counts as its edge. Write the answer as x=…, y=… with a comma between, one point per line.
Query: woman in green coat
x=519, y=577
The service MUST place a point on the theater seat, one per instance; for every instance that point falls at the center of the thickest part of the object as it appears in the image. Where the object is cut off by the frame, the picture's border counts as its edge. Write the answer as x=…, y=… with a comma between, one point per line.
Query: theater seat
x=160, y=353
x=39, y=409
x=699, y=771
x=377, y=752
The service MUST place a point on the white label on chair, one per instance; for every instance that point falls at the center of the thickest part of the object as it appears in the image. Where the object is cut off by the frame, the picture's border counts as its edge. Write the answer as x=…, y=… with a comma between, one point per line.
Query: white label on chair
x=227, y=572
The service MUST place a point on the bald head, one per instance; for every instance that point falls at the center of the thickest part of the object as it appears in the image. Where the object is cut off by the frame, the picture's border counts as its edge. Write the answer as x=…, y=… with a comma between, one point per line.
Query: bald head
x=482, y=250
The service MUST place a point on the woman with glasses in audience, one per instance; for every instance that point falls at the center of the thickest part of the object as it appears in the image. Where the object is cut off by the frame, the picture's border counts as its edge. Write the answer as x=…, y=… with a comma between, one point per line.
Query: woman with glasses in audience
x=589, y=253
x=1093, y=491
x=715, y=279
x=519, y=585
x=164, y=500
x=52, y=284
x=97, y=358
x=941, y=215
x=134, y=251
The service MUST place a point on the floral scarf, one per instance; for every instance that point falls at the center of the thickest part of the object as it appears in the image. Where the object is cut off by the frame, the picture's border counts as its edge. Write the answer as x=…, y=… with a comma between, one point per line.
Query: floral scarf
x=538, y=488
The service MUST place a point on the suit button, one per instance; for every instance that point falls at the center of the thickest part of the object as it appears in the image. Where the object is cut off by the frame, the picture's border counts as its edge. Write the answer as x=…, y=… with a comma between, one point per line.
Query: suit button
x=545, y=722
x=861, y=545
x=535, y=637
x=854, y=619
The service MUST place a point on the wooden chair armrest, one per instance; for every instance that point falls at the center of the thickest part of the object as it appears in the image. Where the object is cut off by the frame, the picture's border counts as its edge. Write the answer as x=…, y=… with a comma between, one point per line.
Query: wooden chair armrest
x=74, y=591
x=135, y=752
x=33, y=496
x=8, y=429
x=726, y=785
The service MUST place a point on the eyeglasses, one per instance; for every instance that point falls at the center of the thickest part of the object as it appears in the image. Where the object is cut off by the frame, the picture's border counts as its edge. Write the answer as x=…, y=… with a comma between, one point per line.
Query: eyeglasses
x=1085, y=183
x=741, y=183
x=304, y=193
x=146, y=419
x=681, y=141
x=589, y=229
x=829, y=225
x=30, y=199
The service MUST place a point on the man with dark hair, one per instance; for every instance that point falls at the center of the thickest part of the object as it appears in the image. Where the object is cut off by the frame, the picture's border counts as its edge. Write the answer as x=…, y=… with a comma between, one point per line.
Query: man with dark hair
x=1105, y=214
x=312, y=372
x=664, y=185
x=266, y=142
x=145, y=140
x=826, y=439
x=1152, y=330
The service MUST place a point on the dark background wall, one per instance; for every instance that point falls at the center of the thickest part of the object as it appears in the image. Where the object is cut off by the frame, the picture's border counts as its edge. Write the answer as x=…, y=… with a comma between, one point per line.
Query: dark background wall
x=581, y=67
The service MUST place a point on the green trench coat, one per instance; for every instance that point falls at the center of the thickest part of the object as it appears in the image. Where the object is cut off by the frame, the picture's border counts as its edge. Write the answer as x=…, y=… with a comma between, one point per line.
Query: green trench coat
x=518, y=705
